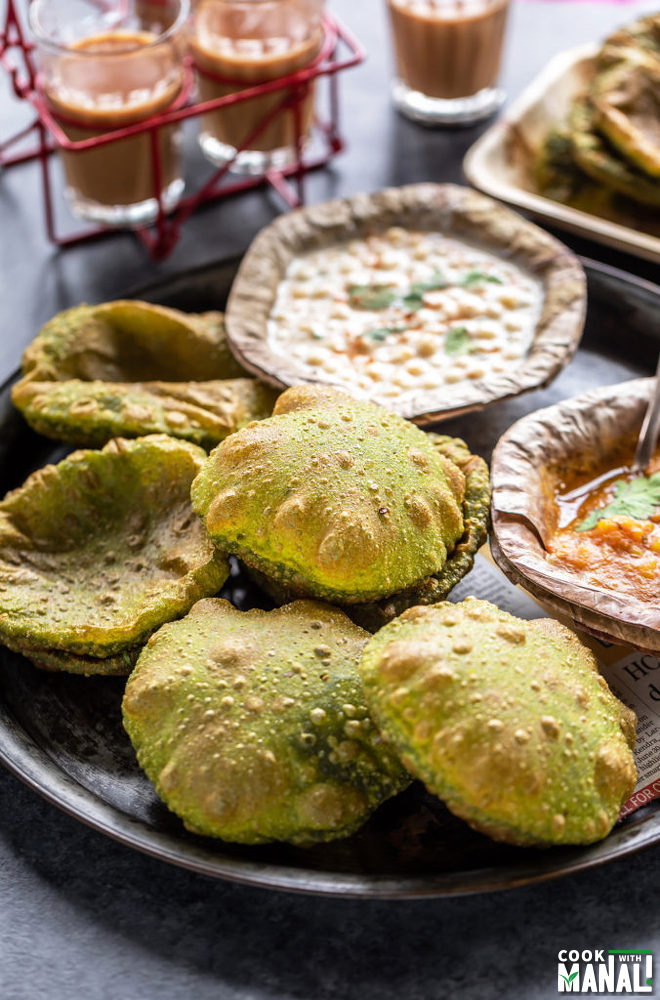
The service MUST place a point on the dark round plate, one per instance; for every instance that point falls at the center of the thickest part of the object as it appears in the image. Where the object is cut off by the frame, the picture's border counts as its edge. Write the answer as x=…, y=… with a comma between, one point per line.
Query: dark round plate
x=63, y=735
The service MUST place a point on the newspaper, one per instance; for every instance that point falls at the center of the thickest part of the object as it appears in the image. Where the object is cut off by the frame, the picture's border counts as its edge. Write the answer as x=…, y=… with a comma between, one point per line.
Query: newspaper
x=634, y=677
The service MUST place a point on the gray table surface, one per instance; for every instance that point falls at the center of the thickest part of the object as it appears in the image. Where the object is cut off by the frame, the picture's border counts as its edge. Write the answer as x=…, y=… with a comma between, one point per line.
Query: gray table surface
x=83, y=917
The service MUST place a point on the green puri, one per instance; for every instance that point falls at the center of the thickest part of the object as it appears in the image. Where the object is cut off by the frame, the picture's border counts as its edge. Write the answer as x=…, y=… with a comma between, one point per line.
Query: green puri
x=372, y=615
x=128, y=368
x=101, y=549
x=507, y=721
x=610, y=145
x=340, y=499
x=253, y=726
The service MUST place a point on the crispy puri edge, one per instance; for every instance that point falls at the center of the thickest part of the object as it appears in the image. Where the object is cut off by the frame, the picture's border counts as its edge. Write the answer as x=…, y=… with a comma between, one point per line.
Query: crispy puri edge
x=252, y=401
x=204, y=581
x=507, y=833
x=42, y=358
x=118, y=664
x=297, y=586
x=309, y=838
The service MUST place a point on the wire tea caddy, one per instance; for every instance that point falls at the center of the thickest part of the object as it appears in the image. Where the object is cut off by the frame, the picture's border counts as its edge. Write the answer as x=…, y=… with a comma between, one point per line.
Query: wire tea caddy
x=339, y=51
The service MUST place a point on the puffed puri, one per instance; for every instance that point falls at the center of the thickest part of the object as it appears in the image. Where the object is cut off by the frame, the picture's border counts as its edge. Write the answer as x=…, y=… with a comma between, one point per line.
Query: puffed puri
x=333, y=498
x=508, y=721
x=252, y=725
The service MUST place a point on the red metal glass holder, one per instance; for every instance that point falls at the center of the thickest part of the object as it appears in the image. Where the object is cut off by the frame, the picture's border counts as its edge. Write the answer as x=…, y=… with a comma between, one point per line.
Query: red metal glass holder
x=340, y=50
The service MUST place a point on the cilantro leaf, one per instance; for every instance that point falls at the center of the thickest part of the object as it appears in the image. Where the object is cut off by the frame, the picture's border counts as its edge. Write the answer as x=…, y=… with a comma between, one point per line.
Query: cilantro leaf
x=377, y=297
x=414, y=300
x=436, y=282
x=457, y=341
x=381, y=332
x=638, y=498
x=476, y=277
x=371, y=296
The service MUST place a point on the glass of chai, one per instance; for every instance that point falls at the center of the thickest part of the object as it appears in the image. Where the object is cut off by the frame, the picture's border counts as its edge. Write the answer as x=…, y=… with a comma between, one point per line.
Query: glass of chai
x=237, y=44
x=105, y=66
x=447, y=55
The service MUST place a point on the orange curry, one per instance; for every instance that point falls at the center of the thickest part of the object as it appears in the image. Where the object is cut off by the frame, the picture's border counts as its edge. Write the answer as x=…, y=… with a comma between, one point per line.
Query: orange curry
x=608, y=528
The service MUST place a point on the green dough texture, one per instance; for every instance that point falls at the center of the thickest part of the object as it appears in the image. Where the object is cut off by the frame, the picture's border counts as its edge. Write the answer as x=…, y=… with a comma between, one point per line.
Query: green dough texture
x=507, y=721
x=374, y=614
x=602, y=163
x=91, y=413
x=333, y=498
x=253, y=726
x=128, y=368
x=98, y=551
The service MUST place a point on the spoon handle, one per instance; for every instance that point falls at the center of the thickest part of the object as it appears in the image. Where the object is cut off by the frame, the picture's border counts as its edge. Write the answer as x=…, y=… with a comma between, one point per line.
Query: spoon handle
x=648, y=435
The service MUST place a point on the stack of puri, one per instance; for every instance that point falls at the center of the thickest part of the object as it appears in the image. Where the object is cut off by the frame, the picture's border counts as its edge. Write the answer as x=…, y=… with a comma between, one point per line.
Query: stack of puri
x=346, y=502
x=295, y=724
x=129, y=368
x=612, y=136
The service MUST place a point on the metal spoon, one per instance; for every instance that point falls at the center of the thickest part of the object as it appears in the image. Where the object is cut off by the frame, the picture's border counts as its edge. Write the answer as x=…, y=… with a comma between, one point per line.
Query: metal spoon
x=648, y=435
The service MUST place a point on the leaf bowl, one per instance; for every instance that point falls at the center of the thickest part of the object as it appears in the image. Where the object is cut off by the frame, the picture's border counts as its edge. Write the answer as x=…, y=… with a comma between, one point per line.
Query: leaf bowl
x=451, y=210
x=525, y=472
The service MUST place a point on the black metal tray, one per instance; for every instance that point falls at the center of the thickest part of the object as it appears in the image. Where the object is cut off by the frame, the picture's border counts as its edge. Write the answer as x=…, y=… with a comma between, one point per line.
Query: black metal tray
x=63, y=736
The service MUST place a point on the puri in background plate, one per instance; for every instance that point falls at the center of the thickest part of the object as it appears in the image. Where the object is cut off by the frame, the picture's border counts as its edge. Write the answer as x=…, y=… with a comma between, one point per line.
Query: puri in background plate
x=501, y=162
